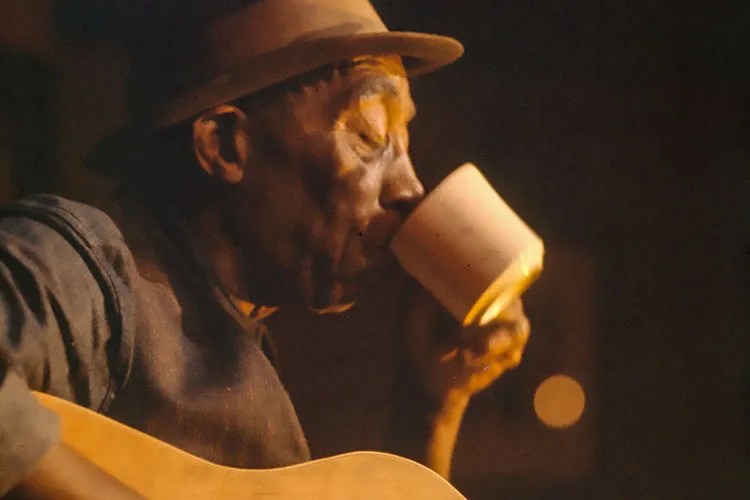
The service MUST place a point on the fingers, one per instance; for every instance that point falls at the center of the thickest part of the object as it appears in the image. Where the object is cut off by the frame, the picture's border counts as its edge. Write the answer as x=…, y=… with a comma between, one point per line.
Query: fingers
x=501, y=341
x=497, y=340
x=483, y=376
x=507, y=351
x=511, y=313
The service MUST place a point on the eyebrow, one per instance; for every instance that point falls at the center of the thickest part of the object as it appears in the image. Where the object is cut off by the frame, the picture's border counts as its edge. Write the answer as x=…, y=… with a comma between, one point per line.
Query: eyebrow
x=387, y=86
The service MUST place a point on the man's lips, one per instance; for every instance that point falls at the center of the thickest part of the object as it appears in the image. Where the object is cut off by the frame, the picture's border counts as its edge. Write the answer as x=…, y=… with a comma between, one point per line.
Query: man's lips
x=325, y=279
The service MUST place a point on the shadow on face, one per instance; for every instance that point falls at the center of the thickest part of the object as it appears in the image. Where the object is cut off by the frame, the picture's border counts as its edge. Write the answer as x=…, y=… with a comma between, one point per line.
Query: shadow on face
x=328, y=180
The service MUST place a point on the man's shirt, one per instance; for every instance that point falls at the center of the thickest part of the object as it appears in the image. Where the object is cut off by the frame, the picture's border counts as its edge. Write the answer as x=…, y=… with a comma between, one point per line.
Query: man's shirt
x=149, y=340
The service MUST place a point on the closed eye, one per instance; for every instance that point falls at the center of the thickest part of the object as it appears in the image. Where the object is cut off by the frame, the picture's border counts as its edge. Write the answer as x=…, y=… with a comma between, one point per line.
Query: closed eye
x=368, y=130
x=370, y=140
x=367, y=146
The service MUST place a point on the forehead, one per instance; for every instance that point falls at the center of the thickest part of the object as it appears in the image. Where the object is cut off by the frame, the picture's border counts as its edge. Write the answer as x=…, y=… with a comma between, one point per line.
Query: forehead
x=309, y=107
x=384, y=76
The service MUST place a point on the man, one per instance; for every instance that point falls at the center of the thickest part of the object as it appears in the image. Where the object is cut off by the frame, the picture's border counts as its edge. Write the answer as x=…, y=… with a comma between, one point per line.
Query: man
x=273, y=168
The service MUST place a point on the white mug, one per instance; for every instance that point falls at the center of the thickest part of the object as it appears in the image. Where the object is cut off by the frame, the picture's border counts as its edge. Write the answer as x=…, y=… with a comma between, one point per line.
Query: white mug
x=468, y=248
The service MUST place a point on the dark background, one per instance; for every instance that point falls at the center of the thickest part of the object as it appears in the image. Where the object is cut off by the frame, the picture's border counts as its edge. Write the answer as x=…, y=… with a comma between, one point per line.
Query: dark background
x=621, y=132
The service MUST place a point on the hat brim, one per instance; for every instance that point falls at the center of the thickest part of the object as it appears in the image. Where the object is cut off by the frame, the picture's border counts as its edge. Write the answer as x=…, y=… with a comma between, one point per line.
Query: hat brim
x=421, y=53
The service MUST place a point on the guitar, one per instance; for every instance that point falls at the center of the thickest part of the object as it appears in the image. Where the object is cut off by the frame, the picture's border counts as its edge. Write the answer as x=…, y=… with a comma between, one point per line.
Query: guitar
x=158, y=470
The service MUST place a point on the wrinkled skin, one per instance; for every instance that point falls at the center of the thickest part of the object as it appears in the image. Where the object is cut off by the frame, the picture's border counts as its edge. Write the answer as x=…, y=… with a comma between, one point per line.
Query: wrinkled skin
x=320, y=178
x=329, y=182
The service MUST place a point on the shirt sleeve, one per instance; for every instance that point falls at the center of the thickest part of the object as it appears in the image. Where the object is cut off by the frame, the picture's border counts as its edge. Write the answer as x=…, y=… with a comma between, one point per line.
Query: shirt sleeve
x=58, y=335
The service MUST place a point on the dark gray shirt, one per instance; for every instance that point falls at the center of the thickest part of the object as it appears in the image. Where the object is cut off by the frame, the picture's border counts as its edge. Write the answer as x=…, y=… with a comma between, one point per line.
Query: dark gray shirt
x=148, y=340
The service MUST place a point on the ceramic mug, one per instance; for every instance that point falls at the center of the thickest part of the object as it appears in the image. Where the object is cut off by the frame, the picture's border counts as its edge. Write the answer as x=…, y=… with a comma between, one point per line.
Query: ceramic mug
x=468, y=248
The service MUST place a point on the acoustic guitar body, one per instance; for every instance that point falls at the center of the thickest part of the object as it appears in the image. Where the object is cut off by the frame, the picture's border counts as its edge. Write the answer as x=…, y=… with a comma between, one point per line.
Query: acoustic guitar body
x=158, y=470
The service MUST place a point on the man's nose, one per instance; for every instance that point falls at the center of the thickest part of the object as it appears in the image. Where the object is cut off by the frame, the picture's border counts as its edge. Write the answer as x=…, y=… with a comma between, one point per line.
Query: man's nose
x=402, y=189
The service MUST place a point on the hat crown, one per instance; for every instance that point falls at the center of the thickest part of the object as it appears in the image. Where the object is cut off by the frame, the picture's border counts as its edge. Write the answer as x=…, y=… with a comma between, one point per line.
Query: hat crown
x=269, y=25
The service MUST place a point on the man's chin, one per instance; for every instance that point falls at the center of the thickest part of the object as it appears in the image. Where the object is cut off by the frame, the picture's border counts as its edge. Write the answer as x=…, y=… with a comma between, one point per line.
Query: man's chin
x=335, y=298
x=333, y=309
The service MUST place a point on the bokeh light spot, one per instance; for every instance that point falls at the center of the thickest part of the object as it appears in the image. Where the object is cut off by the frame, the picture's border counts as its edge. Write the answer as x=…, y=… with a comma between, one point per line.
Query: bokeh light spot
x=559, y=401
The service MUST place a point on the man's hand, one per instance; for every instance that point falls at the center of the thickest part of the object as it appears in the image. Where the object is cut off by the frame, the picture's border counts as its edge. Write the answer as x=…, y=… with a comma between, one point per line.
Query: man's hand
x=65, y=474
x=455, y=363
x=449, y=365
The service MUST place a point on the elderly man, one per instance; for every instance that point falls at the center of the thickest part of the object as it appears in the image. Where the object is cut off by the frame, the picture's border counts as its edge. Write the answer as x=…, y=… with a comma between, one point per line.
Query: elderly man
x=272, y=167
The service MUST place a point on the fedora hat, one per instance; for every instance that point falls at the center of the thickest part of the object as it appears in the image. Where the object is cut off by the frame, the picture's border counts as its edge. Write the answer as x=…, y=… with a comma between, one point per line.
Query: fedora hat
x=263, y=42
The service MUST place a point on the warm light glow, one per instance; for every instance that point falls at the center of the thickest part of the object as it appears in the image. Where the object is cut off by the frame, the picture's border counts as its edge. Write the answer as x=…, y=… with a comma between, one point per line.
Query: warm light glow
x=559, y=401
x=492, y=312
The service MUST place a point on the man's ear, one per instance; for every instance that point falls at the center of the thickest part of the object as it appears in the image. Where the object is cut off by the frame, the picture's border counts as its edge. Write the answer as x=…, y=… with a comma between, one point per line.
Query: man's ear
x=221, y=143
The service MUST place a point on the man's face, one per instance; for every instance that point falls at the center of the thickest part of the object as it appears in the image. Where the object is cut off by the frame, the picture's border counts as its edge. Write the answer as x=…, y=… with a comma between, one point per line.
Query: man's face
x=328, y=181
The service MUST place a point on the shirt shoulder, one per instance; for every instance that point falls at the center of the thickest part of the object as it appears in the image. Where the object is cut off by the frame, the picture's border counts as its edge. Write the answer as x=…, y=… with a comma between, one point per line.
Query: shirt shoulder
x=79, y=245
x=89, y=222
